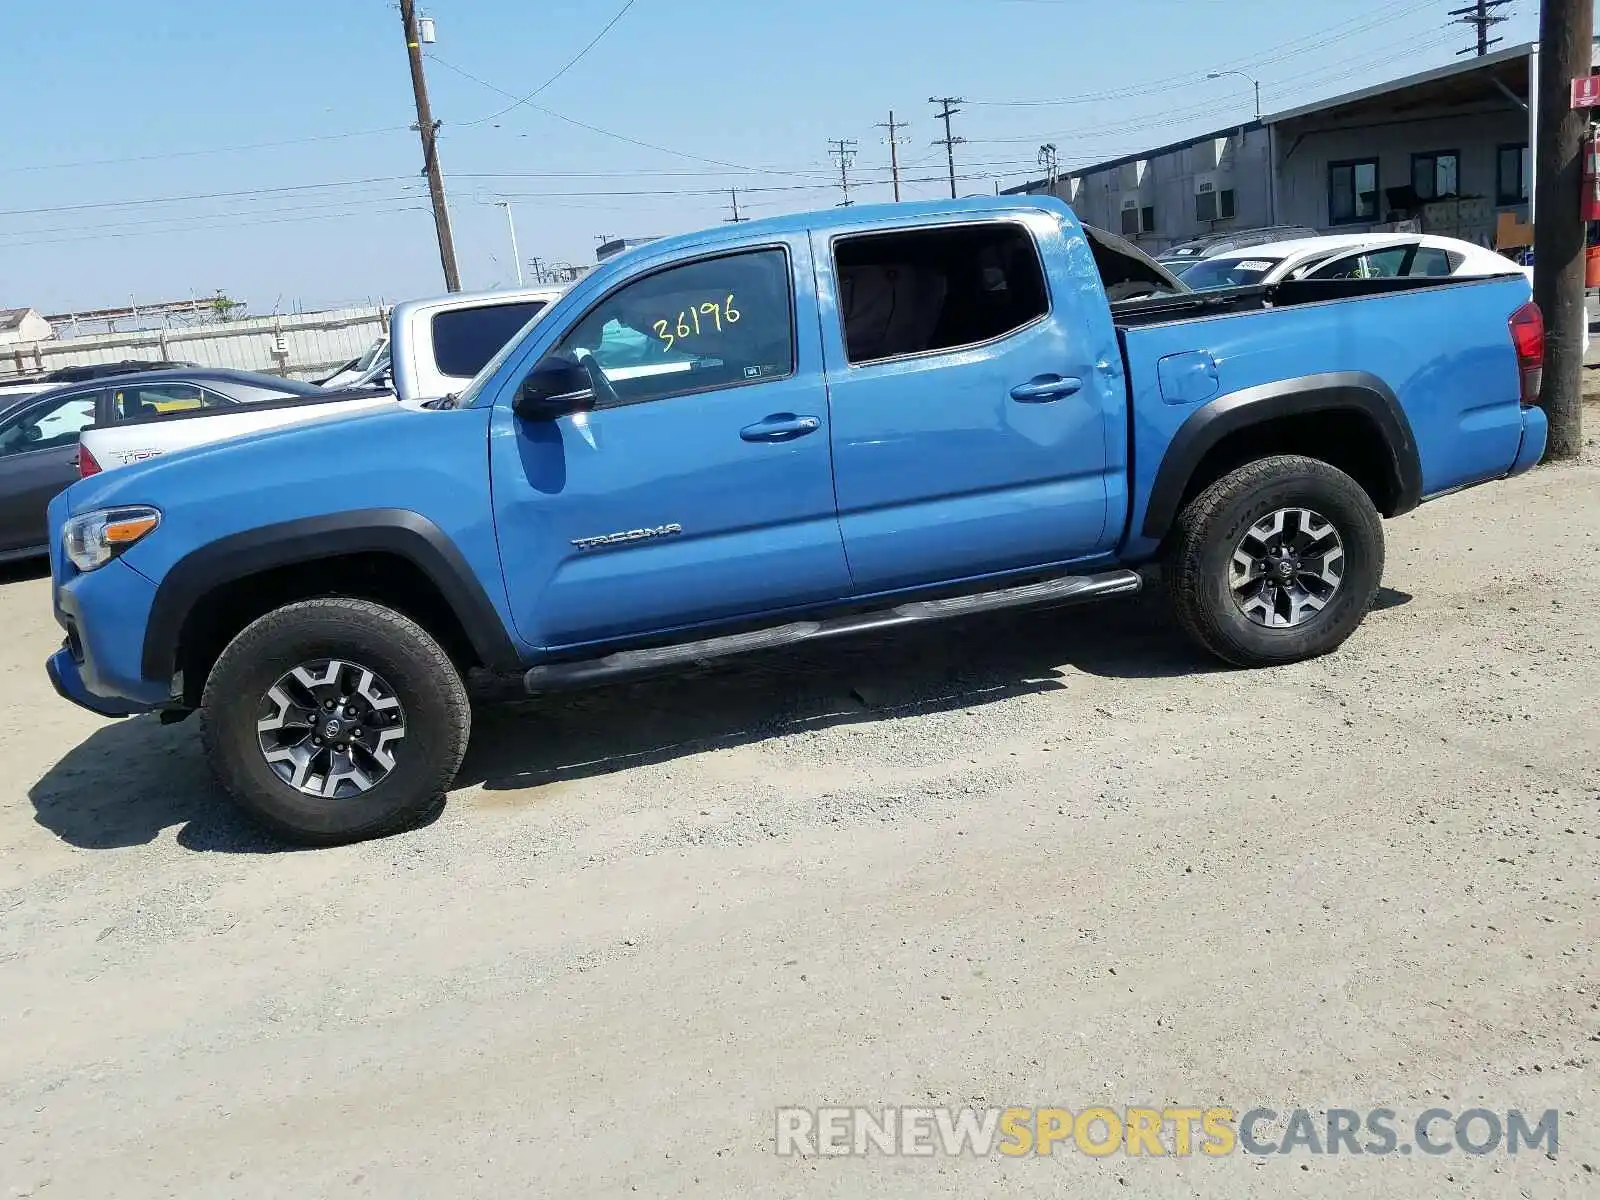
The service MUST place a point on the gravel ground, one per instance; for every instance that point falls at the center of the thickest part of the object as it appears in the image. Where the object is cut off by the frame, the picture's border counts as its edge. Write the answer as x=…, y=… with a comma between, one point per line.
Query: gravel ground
x=1049, y=860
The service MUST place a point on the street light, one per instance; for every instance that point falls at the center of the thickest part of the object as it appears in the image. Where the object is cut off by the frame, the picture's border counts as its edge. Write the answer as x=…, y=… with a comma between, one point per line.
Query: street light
x=512, y=222
x=1272, y=199
x=1256, y=82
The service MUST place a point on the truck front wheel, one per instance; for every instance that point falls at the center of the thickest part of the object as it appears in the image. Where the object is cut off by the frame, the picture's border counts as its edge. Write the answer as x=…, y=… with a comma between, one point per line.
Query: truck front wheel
x=1276, y=562
x=334, y=720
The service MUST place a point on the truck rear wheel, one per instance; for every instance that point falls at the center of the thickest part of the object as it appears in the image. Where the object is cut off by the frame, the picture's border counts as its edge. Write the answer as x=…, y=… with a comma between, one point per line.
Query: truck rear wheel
x=335, y=720
x=1276, y=562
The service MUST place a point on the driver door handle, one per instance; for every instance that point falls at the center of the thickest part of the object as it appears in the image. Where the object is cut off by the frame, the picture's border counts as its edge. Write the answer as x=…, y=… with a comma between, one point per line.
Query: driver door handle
x=1041, y=389
x=780, y=427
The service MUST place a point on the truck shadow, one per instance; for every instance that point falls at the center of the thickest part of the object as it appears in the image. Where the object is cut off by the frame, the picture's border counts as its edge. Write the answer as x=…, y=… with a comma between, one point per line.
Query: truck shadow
x=577, y=735
x=132, y=780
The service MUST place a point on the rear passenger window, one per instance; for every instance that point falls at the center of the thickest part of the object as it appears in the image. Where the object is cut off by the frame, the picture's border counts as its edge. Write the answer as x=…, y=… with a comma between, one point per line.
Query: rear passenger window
x=929, y=290
x=469, y=337
x=159, y=399
x=1434, y=263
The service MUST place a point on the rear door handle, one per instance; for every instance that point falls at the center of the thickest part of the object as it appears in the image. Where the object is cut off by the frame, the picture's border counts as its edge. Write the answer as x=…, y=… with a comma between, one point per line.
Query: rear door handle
x=1041, y=389
x=780, y=427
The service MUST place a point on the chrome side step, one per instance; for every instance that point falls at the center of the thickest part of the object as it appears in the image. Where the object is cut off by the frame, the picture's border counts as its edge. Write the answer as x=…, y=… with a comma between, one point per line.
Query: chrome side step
x=1062, y=590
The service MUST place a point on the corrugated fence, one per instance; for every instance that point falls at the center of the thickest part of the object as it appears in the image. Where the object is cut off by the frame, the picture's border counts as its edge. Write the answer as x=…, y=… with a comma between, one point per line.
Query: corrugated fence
x=298, y=345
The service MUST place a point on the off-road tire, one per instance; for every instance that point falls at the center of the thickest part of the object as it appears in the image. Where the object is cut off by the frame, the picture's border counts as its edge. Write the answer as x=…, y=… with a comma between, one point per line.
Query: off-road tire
x=1208, y=531
x=427, y=683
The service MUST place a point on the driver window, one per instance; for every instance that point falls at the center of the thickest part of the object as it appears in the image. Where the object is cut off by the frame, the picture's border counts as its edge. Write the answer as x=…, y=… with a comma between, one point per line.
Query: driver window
x=48, y=427
x=705, y=325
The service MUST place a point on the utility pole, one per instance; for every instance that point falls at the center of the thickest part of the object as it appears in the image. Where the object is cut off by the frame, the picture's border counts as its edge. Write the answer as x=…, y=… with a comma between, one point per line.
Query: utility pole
x=736, y=219
x=845, y=152
x=1483, y=15
x=894, y=149
x=511, y=221
x=537, y=264
x=1050, y=160
x=1565, y=31
x=428, y=130
x=949, y=141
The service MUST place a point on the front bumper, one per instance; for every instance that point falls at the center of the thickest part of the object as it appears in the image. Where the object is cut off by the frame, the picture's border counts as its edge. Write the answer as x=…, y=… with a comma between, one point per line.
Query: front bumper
x=68, y=682
x=104, y=613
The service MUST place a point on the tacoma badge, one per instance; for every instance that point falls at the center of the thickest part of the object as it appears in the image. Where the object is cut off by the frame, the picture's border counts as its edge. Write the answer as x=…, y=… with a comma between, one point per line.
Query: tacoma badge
x=630, y=535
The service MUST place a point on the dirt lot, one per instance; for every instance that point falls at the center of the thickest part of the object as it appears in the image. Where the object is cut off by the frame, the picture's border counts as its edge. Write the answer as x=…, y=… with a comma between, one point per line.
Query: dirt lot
x=1056, y=860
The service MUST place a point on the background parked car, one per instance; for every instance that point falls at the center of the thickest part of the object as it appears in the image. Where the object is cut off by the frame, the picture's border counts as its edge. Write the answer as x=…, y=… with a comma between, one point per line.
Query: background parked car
x=1175, y=258
x=370, y=367
x=438, y=345
x=39, y=434
x=36, y=385
x=1347, y=256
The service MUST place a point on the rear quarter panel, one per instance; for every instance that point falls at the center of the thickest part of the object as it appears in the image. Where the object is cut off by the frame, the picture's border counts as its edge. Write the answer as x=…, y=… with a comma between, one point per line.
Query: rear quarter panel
x=1446, y=352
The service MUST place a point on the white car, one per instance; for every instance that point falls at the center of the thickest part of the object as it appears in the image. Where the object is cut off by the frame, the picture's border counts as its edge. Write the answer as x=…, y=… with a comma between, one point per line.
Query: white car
x=1348, y=256
x=434, y=347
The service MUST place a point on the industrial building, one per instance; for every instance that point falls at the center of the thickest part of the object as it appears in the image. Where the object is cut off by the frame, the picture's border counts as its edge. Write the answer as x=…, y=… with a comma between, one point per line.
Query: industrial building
x=1444, y=151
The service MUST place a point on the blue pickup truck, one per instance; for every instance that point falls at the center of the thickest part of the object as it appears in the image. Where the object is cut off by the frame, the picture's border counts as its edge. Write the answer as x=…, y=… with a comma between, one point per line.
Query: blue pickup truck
x=785, y=430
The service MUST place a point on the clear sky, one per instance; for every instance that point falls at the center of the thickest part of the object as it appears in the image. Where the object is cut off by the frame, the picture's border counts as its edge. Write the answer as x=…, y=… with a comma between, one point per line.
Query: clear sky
x=163, y=148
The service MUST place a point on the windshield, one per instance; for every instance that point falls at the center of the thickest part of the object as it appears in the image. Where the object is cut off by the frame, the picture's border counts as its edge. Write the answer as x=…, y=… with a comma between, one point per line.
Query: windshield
x=371, y=356
x=1213, y=273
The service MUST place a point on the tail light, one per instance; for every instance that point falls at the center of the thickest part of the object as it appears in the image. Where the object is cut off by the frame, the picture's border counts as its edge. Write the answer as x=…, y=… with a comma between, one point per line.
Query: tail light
x=1527, y=335
x=87, y=465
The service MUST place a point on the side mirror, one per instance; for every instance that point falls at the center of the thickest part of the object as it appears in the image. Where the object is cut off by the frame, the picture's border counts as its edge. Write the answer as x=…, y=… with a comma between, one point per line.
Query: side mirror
x=32, y=433
x=554, y=388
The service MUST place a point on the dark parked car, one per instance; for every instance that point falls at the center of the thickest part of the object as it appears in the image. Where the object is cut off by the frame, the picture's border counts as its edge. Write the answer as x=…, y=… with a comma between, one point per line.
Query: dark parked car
x=39, y=433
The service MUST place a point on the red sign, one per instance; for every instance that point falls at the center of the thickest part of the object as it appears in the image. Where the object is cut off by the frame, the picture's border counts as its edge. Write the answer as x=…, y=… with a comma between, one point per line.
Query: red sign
x=1586, y=92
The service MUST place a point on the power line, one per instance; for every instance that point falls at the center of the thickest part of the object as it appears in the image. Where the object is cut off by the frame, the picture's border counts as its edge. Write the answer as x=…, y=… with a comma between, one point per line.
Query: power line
x=565, y=67
x=170, y=154
x=845, y=152
x=91, y=234
x=550, y=112
x=250, y=192
x=1305, y=44
x=949, y=141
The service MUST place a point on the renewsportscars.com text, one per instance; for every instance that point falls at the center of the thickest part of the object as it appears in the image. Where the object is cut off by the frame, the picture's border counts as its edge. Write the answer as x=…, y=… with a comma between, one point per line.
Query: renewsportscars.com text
x=1176, y=1131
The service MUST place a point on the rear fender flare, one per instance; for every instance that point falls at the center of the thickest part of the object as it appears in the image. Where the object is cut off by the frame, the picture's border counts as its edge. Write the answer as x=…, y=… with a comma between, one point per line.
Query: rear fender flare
x=1352, y=391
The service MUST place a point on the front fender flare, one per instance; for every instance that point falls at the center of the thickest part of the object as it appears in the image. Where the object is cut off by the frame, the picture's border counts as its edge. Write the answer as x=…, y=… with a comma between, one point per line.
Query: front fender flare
x=1206, y=427
x=392, y=530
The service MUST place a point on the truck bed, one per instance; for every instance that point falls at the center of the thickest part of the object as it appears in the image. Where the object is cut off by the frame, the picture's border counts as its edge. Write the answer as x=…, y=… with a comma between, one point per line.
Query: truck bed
x=1437, y=352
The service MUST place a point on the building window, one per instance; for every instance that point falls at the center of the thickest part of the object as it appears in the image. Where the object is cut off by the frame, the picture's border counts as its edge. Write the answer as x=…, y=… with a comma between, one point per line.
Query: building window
x=1214, y=206
x=1136, y=220
x=1436, y=174
x=1513, y=173
x=1353, y=191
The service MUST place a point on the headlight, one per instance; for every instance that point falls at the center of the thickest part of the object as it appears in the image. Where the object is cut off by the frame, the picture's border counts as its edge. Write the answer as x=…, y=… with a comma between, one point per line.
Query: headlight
x=95, y=538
